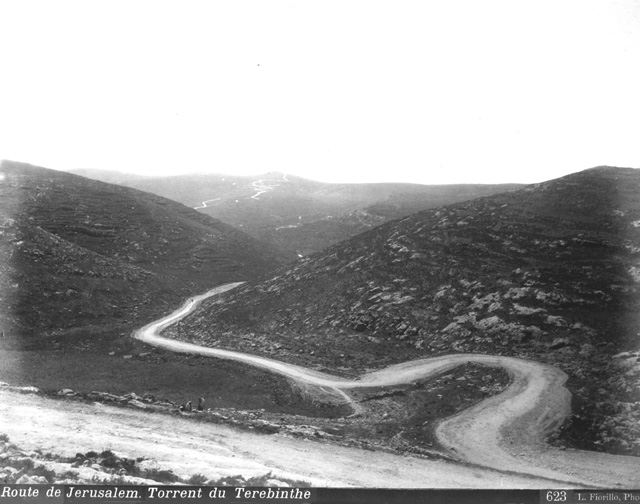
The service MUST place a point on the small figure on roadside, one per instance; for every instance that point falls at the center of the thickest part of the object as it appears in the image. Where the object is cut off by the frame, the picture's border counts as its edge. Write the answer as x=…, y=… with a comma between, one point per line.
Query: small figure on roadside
x=200, y=408
x=187, y=406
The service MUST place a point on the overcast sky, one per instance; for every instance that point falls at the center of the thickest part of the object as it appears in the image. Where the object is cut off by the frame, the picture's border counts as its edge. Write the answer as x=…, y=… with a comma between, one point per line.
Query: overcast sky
x=425, y=91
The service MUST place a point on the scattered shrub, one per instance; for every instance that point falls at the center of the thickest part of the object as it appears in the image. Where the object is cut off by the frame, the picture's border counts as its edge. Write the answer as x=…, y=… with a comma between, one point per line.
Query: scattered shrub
x=232, y=481
x=160, y=475
x=43, y=471
x=197, y=479
x=24, y=463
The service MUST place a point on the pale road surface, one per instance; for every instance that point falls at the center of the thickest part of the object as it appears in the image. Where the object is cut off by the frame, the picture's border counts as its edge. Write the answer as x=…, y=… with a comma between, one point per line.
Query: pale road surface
x=261, y=187
x=213, y=450
x=204, y=203
x=505, y=432
x=257, y=185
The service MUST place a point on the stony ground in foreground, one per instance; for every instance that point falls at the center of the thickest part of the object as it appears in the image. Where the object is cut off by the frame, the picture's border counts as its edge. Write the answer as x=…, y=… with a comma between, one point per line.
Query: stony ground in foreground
x=397, y=420
x=107, y=467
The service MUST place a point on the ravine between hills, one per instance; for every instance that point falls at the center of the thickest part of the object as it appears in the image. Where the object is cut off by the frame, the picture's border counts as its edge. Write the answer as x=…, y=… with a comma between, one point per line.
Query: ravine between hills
x=506, y=432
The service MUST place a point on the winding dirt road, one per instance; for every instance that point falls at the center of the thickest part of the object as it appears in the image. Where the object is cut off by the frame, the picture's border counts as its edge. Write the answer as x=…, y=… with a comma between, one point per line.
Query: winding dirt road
x=506, y=432
x=205, y=204
x=262, y=186
x=500, y=441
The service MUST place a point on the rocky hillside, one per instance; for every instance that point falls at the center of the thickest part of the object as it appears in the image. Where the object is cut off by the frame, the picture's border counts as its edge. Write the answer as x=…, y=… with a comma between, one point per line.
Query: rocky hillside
x=77, y=254
x=313, y=235
x=298, y=215
x=549, y=272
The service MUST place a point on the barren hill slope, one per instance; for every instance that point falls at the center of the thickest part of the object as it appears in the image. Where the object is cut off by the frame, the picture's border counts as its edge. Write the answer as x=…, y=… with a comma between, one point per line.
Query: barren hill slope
x=549, y=272
x=76, y=253
x=299, y=215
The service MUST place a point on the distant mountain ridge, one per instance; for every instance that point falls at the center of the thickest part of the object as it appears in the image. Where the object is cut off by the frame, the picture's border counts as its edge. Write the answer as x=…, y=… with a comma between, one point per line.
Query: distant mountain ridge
x=299, y=215
x=79, y=253
x=549, y=272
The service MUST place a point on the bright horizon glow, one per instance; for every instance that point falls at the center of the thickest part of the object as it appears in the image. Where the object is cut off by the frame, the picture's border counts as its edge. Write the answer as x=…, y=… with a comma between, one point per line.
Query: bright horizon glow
x=357, y=91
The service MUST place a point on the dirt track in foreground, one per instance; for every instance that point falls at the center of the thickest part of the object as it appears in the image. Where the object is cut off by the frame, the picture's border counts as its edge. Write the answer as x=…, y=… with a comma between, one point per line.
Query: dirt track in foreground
x=505, y=432
x=66, y=427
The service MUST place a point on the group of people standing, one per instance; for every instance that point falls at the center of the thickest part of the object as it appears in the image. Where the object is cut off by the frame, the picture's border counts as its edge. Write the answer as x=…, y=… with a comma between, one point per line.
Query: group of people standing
x=189, y=407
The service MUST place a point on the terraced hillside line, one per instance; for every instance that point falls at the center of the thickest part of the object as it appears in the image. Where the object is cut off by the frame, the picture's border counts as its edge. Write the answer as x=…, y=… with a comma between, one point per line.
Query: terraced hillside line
x=505, y=432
